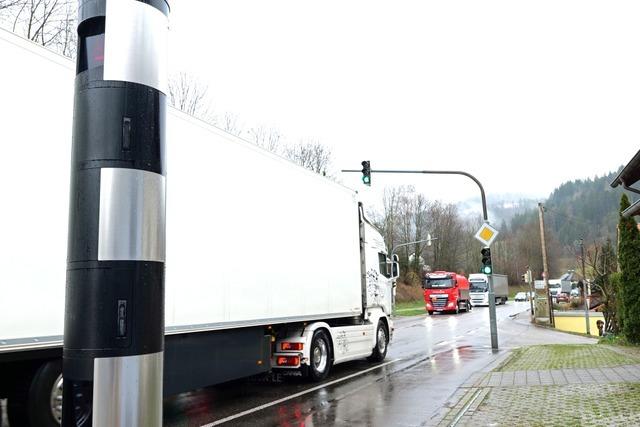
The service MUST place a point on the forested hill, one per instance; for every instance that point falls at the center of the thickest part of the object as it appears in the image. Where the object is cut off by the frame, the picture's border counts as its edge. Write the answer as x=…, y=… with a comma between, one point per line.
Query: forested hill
x=586, y=208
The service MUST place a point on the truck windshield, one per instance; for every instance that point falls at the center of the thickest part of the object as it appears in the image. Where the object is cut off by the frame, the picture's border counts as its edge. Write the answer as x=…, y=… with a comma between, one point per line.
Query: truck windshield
x=478, y=286
x=438, y=283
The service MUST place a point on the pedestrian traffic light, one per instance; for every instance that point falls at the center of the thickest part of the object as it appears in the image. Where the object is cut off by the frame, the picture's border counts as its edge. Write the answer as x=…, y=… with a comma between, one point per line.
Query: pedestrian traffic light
x=486, y=260
x=366, y=172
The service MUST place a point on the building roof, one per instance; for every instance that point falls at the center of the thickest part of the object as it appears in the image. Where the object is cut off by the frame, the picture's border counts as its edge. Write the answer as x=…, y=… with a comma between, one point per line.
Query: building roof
x=630, y=174
x=632, y=210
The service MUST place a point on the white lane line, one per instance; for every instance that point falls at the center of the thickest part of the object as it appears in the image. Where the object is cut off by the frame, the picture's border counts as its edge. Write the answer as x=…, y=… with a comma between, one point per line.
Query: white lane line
x=293, y=396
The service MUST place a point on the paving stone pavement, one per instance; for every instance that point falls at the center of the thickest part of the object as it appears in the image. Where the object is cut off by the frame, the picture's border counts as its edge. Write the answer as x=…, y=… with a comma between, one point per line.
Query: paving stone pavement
x=560, y=397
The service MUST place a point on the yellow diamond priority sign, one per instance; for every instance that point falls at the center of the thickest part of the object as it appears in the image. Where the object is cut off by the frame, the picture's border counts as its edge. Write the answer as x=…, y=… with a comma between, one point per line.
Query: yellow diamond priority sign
x=487, y=234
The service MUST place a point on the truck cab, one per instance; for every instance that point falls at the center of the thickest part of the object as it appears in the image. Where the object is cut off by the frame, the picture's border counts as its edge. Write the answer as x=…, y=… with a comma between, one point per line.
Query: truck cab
x=446, y=292
x=479, y=289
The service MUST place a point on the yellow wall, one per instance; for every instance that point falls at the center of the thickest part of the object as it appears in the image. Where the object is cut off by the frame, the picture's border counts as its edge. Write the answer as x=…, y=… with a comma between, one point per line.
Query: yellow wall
x=577, y=323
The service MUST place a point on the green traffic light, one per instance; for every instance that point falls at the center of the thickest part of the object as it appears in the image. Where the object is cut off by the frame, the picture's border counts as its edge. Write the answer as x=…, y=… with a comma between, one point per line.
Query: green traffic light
x=486, y=269
x=366, y=180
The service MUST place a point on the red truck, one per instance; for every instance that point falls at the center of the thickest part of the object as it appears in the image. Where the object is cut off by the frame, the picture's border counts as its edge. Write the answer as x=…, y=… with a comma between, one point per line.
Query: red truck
x=445, y=291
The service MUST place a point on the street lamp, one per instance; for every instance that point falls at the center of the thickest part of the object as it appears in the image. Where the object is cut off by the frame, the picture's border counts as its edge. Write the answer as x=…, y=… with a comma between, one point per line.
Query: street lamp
x=429, y=239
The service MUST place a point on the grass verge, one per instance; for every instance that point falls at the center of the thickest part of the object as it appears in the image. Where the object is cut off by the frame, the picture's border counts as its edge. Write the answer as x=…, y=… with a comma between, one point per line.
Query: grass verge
x=410, y=308
x=559, y=356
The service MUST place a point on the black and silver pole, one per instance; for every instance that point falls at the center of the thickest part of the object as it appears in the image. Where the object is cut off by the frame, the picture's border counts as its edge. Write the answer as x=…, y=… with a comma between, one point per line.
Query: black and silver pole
x=114, y=302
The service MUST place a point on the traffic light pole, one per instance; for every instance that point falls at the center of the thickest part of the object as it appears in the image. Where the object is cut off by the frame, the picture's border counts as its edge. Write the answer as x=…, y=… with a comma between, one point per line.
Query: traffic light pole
x=492, y=300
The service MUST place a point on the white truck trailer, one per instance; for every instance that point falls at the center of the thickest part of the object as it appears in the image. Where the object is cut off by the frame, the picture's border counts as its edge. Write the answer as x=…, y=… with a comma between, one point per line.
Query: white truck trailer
x=559, y=286
x=268, y=265
x=479, y=289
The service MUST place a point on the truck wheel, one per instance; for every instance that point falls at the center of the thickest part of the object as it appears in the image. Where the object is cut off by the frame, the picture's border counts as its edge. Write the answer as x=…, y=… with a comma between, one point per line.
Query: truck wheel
x=430, y=313
x=382, y=343
x=38, y=400
x=320, y=355
x=457, y=311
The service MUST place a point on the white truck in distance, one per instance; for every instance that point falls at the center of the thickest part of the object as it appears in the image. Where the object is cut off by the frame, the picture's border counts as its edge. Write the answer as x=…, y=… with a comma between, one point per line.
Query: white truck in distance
x=269, y=266
x=559, y=286
x=479, y=288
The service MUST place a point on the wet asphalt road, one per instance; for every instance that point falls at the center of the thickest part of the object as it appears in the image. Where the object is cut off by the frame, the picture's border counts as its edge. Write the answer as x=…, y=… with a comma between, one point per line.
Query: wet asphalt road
x=428, y=359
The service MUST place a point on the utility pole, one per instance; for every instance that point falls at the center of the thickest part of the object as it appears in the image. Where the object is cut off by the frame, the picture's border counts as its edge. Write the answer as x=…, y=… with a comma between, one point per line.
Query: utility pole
x=529, y=278
x=584, y=289
x=114, y=303
x=545, y=265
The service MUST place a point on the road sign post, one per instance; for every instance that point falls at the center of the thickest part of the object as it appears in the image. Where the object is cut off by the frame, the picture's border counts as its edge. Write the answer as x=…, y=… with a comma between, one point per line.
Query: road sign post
x=486, y=235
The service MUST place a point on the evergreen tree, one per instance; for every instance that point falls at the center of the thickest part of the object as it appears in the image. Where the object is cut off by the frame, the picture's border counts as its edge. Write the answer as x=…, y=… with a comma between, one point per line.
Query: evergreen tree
x=629, y=256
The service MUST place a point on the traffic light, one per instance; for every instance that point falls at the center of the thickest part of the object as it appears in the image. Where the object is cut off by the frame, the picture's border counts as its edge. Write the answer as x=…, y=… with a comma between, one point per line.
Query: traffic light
x=486, y=260
x=366, y=172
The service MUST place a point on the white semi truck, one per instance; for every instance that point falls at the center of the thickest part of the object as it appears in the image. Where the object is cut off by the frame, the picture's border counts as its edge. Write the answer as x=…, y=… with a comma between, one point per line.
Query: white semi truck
x=479, y=289
x=268, y=266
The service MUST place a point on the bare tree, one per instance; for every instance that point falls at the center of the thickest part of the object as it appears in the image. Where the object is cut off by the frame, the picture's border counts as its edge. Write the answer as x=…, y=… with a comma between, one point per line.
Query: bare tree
x=229, y=123
x=67, y=41
x=602, y=263
x=5, y=4
x=311, y=155
x=47, y=22
x=267, y=138
x=188, y=94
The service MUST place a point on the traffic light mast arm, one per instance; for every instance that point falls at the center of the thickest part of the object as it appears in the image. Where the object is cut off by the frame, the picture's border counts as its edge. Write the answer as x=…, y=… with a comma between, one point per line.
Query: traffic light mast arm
x=492, y=303
x=485, y=216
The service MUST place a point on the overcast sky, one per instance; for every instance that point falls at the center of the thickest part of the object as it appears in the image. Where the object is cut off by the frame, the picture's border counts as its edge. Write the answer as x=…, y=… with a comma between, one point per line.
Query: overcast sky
x=524, y=95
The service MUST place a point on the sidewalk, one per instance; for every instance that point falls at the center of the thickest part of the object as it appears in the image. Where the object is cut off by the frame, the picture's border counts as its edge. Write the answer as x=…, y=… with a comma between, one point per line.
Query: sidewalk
x=551, y=385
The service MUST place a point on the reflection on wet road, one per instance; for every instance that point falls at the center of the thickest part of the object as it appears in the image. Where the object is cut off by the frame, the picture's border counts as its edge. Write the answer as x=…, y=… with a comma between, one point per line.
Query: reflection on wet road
x=430, y=356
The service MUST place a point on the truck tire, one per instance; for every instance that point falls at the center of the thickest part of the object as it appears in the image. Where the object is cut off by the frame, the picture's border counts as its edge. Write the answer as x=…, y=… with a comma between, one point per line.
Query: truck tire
x=382, y=343
x=430, y=312
x=35, y=401
x=320, y=356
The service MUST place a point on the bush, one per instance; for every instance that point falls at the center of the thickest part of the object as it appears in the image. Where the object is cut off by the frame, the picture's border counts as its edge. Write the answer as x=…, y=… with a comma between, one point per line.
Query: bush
x=629, y=256
x=408, y=293
x=412, y=279
x=611, y=339
x=575, y=304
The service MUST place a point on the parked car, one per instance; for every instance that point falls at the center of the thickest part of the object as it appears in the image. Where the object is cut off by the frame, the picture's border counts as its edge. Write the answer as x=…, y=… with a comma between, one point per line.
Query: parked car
x=562, y=297
x=521, y=296
x=575, y=292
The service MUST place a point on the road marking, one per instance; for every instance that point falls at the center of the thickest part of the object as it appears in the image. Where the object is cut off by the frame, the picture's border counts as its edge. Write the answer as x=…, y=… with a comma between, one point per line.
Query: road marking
x=293, y=396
